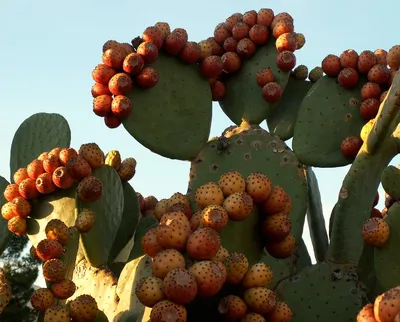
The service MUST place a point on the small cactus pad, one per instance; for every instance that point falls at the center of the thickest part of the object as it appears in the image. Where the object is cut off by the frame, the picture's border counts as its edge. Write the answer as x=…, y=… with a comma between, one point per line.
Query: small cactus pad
x=315, y=218
x=173, y=118
x=144, y=226
x=39, y=133
x=108, y=211
x=129, y=221
x=243, y=95
x=387, y=257
x=248, y=150
x=5, y=234
x=328, y=114
x=391, y=181
x=281, y=122
x=331, y=295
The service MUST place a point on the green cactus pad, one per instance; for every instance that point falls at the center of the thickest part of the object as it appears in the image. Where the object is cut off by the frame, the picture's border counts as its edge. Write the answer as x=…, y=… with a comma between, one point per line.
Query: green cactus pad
x=281, y=122
x=58, y=205
x=129, y=221
x=328, y=114
x=5, y=234
x=97, y=243
x=315, y=218
x=173, y=118
x=391, y=181
x=71, y=251
x=101, y=317
x=387, y=257
x=319, y=293
x=249, y=150
x=243, y=95
x=144, y=226
x=367, y=274
x=39, y=133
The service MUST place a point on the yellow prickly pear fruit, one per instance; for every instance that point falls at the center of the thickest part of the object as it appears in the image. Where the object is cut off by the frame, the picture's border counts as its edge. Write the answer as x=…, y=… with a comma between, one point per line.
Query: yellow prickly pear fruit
x=113, y=159
x=127, y=169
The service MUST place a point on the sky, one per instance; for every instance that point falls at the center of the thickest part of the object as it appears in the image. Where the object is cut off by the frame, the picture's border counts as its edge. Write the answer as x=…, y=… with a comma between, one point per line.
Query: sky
x=49, y=49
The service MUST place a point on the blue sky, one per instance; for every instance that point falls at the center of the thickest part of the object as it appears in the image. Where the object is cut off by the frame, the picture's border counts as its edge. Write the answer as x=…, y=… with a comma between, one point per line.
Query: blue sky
x=50, y=48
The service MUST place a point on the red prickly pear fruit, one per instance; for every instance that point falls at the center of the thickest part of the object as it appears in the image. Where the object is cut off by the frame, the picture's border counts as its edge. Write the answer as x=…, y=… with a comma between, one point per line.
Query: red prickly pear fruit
x=250, y=18
x=253, y=317
x=348, y=78
x=42, y=299
x=32, y=252
x=102, y=74
x=240, y=30
x=375, y=232
x=282, y=27
x=35, y=169
x=221, y=33
x=99, y=89
x=128, y=48
x=168, y=311
x=164, y=28
x=11, y=192
x=62, y=179
x=393, y=57
x=112, y=121
x=180, y=286
x=246, y=48
x=173, y=234
x=232, y=20
x=165, y=261
x=350, y=146
x=231, y=182
x=260, y=300
x=67, y=154
x=182, y=32
x=57, y=230
x=366, y=61
x=149, y=290
x=148, y=78
x=210, y=277
x=376, y=199
x=114, y=58
x=276, y=227
x=366, y=314
x=7, y=211
x=265, y=17
x=21, y=207
x=259, y=34
x=111, y=44
x=85, y=221
x=191, y=53
x=120, y=84
x=381, y=56
x=376, y=213
x=231, y=62
x=349, y=59
x=282, y=249
x=281, y=312
x=148, y=51
x=78, y=168
x=211, y=67
x=48, y=249
x=218, y=91
x=236, y=267
x=215, y=217
x=83, y=308
x=369, y=108
x=93, y=155
x=379, y=74
x=54, y=270
x=331, y=65
x=90, y=189
x=286, y=61
x=264, y=76
x=281, y=16
x=20, y=175
x=203, y=244
x=154, y=35
x=121, y=106
x=286, y=41
x=17, y=225
x=44, y=183
x=174, y=44
x=271, y=92
x=230, y=44
x=383, y=96
x=370, y=90
x=133, y=64
x=239, y=206
x=150, y=244
x=232, y=307
x=276, y=201
x=27, y=189
x=55, y=152
x=386, y=306
x=51, y=163
x=258, y=275
x=217, y=49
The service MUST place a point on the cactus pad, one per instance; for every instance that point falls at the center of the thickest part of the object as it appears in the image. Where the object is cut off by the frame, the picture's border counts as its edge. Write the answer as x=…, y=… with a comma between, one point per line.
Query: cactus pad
x=108, y=210
x=320, y=293
x=391, y=181
x=39, y=133
x=5, y=234
x=173, y=118
x=328, y=114
x=243, y=95
x=281, y=122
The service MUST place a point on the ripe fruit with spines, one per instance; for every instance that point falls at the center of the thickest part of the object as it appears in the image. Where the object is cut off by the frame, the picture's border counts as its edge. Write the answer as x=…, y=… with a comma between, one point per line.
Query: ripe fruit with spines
x=195, y=221
x=370, y=90
x=63, y=289
x=173, y=234
x=150, y=244
x=350, y=146
x=191, y=53
x=281, y=16
x=99, y=89
x=78, y=168
x=236, y=267
x=34, y=169
x=209, y=194
x=232, y=182
x=174, y=44
x=250, y=18
x=301, y=72
x=393, y=57
x=182, y=32
x=148, y=51
x=90, y=189
x=59, y=313
x=253, y=317
x=177, y=197
x=331, y=65
x=265, y=17
x=246, y=48
x=102, y=74
x=271, y=92
x=366, y=61
x=21, y=207
x=215, y=217
x=231, y=63
x=276, y=201
x=150, y=290
x=51, y=163
x=127, y=169
x=92, y=153
x=121, y=106
x=48, y=249
x=369, y=108
x=203, y=244
x=300, y=40
x=282, y=249
x=85, y=221
x=260, y=300
x=221, y=33
x=17, y=225
x=165, y=261
x=27, y=189
x=381, y=56
x=7, y=211
x=281, y=27
x=211, y=67
x=232, y=307
x=232, y=20
x=168, y=311
x=44, y=183
x=258, y=275
x=216, y=47
x=67, y=154
x=180, y=286
x=286, y=41
x=379, y=74
x=112, y=121
x=176, y=217
x=315, y=74
x=221, y=255
x=114, y=57
x=154, y=35
x=348, y=78
x=264, y=76
x=120, y=84
x=42, y=299
x=238, y=205
x=54, y=270
x=276, y=227
x=83, y=308
x=280, y=313
x=164, y=28
x=182, y=207
x=240, y=30
x=56, y=229
x=161, y=208
x=218, y=91
x=11, y=192
x=286, y=60
x=259, y=34
x=210, y=277
x=348, y=59
x=61, y=178
x=375, y=232
x=387, y=305
x=20, y=175
x=366, y=314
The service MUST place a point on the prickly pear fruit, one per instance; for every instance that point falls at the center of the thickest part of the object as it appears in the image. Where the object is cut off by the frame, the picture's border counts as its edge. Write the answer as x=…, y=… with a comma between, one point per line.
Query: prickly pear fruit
x=161, y=208
x=149, y=290
x=17, y=226
x=366, y=314
x=7, y=211
x=172, y=233
x=258, y=186
x=238, y=206
x=48, y=249
x=92, y=153
x=209, y=194
x=236, y=266
x=258, y=275
x=27, y=189
x=280, y=313
x=221, y=255
x=387, y=306
x=315, y=74
x=331, y=65
x=301, y=72
x=232, y=307
x=150, y=202
x=11, y=192
x=127, y=169
x=215, y=217
x=51, y=163
x=20, y=175
x=67, y=154
x=21, y=207
x=113, y=159
x=366, y=61
x=210, y=277
x=168, y=311
x=259, y=34
x=62, y=179
x=375, y=232
x=78, y=168
x=276, y=201
x=348, y=78
x=300, y=40
x=150, y=244
x=286, y=41
x=349, y=59
x=281, y=249
x=83, y=308
x=90, y=189
x=203, y=244
x=54, y=270
x=35, y=169
x=379, y=74
x=211, y=67
x=369, y=108
x=85, y=221
x=164, y=28
x=148, y=51
x=276, y=227
x=57, y=313
x=44, y=183
x=253, y=317
x=99, y=89
x=42, y=299
x=260, y=300
x=177, y=197
x=103, y=73
x=393, y=57
x=231, y=182
x=154, y=35
x=350, y=146
x=165, y=261
x=63, y=289
x=180, y=286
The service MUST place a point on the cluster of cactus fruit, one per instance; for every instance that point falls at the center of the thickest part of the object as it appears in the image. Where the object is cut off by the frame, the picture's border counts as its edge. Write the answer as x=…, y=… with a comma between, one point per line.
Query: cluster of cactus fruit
x=231, y=248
